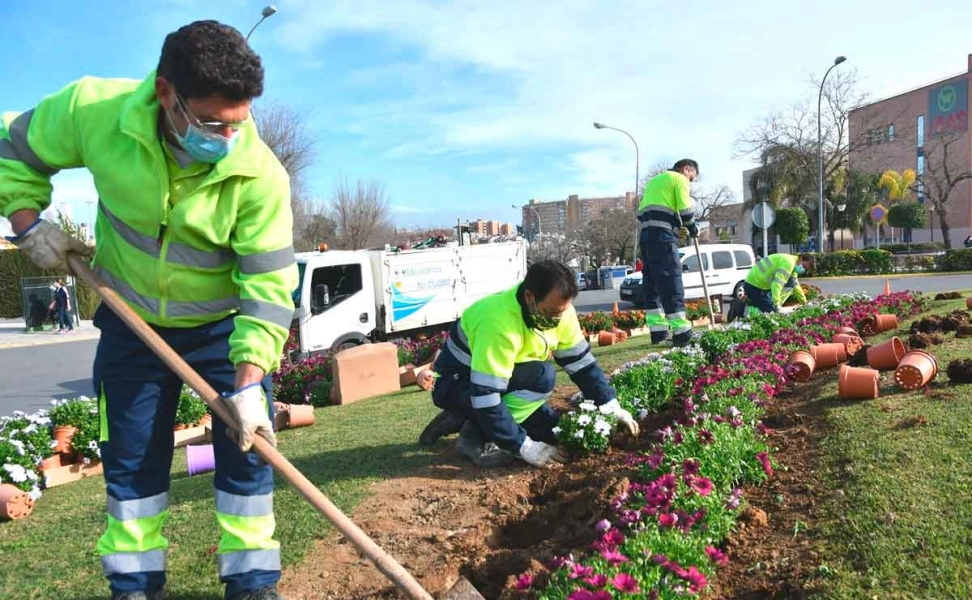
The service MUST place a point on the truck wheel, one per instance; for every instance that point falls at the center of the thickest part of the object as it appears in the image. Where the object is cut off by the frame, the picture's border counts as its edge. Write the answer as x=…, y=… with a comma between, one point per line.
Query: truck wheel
x=346, y=344
x=739, y=291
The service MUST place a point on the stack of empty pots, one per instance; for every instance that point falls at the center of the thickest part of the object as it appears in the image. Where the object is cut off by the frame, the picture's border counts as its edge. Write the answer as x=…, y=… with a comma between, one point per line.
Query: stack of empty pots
x=887, y=355
x=874, y=325
x=830, y=355
x=855, y=383
x=802, y=365
x=916, y=369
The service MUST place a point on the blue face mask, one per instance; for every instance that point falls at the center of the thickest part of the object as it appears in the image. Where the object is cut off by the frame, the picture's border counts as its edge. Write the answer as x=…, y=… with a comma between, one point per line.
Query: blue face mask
x=799, y=270
x=206, y=146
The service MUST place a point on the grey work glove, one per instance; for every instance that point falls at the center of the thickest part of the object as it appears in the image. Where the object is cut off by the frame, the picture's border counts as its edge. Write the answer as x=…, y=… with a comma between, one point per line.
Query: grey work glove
x=248, y=405
x=614, y=409
x=540, y=454
x=48, y=245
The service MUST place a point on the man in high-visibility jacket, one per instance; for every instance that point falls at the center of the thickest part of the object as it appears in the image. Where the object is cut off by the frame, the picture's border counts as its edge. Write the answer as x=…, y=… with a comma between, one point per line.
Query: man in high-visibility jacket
x=772, y=280
x=194, y=231
x=494, y=378
x=665, y=209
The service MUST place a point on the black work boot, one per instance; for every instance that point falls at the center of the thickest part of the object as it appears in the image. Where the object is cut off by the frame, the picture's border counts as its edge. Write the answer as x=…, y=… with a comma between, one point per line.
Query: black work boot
x=659, y=337
x=682, y=339
x=158, y=594
x=484, y=454
x=443, y=424
x=266, y=593
x=736, y=310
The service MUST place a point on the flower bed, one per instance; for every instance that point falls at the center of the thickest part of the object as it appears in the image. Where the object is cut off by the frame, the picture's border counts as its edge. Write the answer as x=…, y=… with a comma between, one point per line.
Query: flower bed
x=662, y=539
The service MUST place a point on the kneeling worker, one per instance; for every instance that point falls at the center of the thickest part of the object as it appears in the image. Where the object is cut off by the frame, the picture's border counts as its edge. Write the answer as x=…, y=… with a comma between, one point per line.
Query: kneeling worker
x=770, y=283
x=494, y=378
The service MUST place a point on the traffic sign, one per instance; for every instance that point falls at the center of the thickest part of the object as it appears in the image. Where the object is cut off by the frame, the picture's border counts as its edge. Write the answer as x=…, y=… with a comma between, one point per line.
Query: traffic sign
x=763, y=215
x=878, y=213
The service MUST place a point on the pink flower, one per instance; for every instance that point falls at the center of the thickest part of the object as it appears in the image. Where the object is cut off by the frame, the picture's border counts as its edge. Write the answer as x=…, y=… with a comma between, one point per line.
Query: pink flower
x=625, y=583
x=559, y=561
x=697, y=581
x=613, y=538
x=717, y=556
x=613, y=557
x=702, y=485
x=691, y=466
x=764, y=460
x=579, y=571
x=524, y=582
x=581, y=595
x=602, y=525
x=596, y=581
x=705, y=436
x=667, y=520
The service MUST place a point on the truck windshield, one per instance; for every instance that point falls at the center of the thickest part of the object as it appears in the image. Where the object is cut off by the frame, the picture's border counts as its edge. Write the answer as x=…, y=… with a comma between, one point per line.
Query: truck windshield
x=300, y=283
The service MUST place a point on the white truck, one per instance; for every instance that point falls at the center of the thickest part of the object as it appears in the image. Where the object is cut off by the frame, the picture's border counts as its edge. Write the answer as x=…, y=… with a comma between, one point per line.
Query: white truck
x=347, y=298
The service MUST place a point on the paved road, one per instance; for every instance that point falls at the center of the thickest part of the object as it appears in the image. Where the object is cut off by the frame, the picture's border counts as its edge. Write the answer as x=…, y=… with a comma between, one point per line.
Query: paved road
x=604, y=299
x=32, y=375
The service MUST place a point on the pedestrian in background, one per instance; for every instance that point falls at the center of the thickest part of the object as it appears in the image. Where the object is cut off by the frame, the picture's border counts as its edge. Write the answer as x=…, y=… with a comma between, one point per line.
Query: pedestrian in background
x=62, y=303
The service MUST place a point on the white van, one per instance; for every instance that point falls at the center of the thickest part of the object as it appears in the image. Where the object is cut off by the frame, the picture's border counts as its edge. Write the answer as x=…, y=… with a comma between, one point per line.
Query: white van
x=725, y=267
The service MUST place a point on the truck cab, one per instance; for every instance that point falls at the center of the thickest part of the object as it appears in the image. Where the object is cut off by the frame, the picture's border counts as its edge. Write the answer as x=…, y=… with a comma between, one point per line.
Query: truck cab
x=339, y=285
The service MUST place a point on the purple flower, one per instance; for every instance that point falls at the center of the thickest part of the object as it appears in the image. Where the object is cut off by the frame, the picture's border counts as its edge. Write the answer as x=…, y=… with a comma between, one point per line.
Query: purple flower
x=764, y=460
x=655, y=461
x=596, y=581
x=613, y=538
x=579, y=571
x=524, y=582
x=717, y=556
x=613, y=557
x=625, y=583
x=602, y=525
x=697, y=581
x=667, y=520
x=702, y=486
x=678, y=438
x=559, y=561
x=691, y=466
x=705, y=436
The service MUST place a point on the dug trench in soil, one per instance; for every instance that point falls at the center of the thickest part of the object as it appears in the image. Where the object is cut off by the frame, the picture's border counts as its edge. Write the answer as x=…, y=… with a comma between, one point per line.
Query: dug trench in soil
x=453, y=519
x=960, y=371
x=772, y=555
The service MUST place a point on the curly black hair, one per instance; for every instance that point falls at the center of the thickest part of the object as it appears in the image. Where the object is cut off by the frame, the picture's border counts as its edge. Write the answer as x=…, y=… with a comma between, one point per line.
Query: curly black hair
x=207, y=58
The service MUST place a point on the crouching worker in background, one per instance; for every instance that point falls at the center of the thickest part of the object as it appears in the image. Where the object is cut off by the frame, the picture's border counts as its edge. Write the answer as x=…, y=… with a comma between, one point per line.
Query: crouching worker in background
x=494, y=378
x=770, y=283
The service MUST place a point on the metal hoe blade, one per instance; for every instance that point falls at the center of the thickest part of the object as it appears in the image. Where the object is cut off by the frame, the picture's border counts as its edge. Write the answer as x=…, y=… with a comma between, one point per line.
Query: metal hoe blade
x=462, y=590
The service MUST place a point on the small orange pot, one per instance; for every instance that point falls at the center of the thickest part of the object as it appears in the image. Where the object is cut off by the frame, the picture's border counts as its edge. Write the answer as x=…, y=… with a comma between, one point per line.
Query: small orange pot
x=14, y=502
x=852, y=343
x=205, y=421
x=51, y=463
x=181, y=426
x=281, y=415
x=916, y=369
x=619, y=334
x=605, y=338
x=854, y=383
x=63, y=435
x=848, y=331
x=803, y=365
x=426, y=379
x=968, y=303
x=887, y=355
x=878, y=323
x=301, y=415
x=828, y=355
x=887, y=322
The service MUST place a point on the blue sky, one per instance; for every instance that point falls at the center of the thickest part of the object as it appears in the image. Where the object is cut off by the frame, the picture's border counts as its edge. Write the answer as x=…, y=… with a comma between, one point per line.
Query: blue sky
x=464, y=108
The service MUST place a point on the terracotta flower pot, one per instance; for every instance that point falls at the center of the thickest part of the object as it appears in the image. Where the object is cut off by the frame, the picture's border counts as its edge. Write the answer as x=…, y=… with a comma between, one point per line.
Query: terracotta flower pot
x=828, y=355
x=848, y=331
x=180, y=426
x=426, y=379
x=968, y=303
x=14, y=502
x=803, y=365
x=301, y=415
x=605, y=338
x=886, y=356
x=916, y=369
x=51, y=463
x=887, y=322
x=878, y=323
x=281, y=415
x=205, y=421
x=63, y=435
x=854, y=383
x=852, y=343
x=619, y=334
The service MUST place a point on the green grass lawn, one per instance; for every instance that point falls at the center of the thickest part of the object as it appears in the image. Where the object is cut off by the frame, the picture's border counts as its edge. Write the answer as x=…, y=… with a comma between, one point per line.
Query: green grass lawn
x=897, y=513
x=52, y=553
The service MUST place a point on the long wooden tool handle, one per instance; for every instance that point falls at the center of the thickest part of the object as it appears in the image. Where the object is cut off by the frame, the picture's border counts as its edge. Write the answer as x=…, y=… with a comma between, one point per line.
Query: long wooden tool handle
x=705, y=286
x=392, y=569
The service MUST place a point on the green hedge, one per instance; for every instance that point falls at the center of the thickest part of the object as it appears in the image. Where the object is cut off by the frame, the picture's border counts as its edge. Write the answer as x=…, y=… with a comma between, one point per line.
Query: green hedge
x=851, y=262
x=13, y=266
x=916, y=247
x=956, y=260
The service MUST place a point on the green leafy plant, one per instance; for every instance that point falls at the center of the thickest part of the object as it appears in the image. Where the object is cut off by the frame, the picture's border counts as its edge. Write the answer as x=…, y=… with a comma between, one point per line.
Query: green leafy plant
x=792, y=225
x=191, y=407
x=957, y=260
x=596, y=322
x=585, y=430
x=73, y=412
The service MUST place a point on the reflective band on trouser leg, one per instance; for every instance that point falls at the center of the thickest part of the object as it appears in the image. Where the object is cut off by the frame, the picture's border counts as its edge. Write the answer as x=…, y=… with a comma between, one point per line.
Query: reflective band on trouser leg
x=247, y=542
x=523, y=403
x=679, y=322
x=655, y=319
x=133, y=541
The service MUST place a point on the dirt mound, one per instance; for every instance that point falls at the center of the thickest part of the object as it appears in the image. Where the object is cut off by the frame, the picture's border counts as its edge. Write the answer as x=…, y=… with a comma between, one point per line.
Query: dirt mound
x=948, y=296
x=955, y=320
x=932, y=324
x=964, y=331
x=919, y=341
x=859, y=358
x=960, y=371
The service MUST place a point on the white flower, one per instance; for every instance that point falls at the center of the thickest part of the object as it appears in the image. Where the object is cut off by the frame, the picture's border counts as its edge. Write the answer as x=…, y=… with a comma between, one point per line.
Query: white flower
x=556, y=430
x=579, y=434
x=86, y=461
x=577, y=398
x=18, y=445
x=733, y=412
x=588, y=406
x=18, y=413
x=584, y=420
x=93, y=445
x=35, y=494
x=602, y=427
x=17, y=473
x=53, y=444
x=642, y=414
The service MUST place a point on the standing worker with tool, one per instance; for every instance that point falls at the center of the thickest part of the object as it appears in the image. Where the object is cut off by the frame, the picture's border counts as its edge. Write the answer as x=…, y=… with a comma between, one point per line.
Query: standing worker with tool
x=194, y=231
x=665, y=208
x=770, y=282
x=494, y=378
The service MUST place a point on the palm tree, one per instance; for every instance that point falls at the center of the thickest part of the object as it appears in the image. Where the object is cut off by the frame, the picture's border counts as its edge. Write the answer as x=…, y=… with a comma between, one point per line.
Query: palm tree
x=898, y=186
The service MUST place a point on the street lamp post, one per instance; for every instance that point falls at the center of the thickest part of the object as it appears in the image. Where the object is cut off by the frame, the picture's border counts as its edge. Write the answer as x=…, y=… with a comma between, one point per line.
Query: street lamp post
x=840, y=209
x=539, y=223
x=931, y=221
x=820, y=207
x=634, y=245
x=268, y=11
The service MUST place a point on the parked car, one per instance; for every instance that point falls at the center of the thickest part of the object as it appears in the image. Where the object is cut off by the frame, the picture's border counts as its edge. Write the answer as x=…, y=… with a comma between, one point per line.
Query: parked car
x=581, y=281
x=725, y=267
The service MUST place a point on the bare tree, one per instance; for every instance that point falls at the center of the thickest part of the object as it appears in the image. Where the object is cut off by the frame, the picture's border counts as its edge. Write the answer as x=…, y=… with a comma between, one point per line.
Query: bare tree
x=945, y=169
x=609, y=235
x=362, y=212
x=285, y=132
x=313, y=224
x=707, y=201
x=560, y=247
